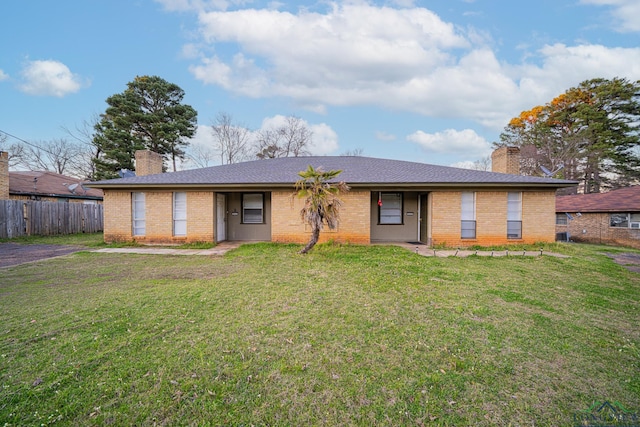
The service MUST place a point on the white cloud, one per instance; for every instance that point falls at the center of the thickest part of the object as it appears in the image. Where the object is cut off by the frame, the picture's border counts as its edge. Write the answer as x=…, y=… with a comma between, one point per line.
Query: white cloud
x=324, y=139
x=466, y=164
x=198, y=5
x=303, y=55
x=451, y=141
x=566, y=66
x=385, y=136
x=49, y=78
x=203, y=136
x=403, y=59
x=190, y=51
x=403, y=3
x=3, y=75
x=626, y=13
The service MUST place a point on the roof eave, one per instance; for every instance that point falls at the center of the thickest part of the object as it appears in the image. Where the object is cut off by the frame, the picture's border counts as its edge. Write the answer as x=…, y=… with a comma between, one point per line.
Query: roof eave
x=61, y=196
x=415, y=185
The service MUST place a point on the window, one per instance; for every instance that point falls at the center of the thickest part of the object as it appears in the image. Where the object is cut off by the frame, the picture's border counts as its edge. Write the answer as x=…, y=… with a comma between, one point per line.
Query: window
x=180, y=214
x=390, y=211
x=561, y=219
x=625, y=220
x=138, y=206
x=468, y=216
x=514, y=215
x=252, y=208
x=619, y=220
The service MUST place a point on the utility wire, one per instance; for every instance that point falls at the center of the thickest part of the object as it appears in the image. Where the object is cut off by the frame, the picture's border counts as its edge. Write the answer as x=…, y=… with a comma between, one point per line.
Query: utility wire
x=28, y=143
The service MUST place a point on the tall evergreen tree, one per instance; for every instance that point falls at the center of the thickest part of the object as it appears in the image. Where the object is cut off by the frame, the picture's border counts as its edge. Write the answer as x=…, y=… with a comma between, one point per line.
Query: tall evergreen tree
x=591, y=130
x=149, y=114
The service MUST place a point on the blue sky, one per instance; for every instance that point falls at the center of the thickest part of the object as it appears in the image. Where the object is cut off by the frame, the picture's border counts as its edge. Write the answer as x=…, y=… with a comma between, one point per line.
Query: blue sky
x=428, y=81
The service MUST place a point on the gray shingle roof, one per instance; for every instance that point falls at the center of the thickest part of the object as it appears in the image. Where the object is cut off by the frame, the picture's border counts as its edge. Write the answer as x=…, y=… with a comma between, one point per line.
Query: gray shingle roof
x=355, y=171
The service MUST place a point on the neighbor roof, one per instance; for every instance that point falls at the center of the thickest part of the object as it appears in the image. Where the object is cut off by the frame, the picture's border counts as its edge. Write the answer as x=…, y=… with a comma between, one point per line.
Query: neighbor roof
x=621, y=200
x=356, y=171
x=49, y=184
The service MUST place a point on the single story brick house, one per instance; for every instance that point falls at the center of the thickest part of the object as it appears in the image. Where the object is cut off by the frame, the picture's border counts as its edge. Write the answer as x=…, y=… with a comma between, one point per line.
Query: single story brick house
x=389, y=201
x=609, y=218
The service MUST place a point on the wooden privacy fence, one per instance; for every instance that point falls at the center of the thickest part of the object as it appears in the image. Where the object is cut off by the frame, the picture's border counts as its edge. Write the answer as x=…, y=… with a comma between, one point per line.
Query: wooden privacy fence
x=31, y=218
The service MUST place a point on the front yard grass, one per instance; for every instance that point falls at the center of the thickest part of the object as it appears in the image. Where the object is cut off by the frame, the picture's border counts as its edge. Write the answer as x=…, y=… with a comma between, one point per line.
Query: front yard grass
x=347, y=335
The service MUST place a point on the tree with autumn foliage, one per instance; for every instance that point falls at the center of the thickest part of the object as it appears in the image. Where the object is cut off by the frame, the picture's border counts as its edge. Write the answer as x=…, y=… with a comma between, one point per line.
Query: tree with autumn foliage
x=588, y=134
x=321, y=202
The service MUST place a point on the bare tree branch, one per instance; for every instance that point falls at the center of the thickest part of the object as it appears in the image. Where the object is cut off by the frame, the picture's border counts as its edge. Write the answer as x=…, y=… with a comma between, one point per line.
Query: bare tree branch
x=291, y=139
x=232, y=141
x=15, y=150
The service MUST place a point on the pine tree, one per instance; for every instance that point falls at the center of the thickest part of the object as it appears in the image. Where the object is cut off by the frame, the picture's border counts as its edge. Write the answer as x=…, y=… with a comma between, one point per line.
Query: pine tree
x=149, y=114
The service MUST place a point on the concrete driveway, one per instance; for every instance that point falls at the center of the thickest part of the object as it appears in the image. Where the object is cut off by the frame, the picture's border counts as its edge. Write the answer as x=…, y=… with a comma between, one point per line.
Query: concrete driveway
x=16, y=254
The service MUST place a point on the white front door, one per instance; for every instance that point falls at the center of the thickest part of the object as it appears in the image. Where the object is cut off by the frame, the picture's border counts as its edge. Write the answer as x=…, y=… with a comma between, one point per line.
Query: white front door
x=221, y=218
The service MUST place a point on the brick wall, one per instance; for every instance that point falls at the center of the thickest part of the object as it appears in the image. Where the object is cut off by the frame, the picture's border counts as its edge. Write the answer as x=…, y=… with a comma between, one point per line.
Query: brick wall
x=491, y=218
x=200, y=220
x=158, y=217
x=287, y=226
x=4, y=175
x=538, y=218
x=117, y=216
x=594, y=228
x=445, y=218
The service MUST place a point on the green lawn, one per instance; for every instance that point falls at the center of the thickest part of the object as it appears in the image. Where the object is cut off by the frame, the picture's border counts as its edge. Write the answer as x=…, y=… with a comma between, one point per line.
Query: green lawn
x=347, y=335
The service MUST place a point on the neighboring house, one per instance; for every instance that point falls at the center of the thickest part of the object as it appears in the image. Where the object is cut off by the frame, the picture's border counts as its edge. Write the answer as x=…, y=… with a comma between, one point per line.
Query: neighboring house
x=389, y=201
x=610, y=218
x=43, y=186
x=51, y=187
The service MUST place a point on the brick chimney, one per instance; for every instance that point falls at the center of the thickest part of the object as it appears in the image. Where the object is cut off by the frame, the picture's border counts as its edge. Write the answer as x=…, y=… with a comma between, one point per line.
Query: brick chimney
x=148, y=163
x=4, y=175
x=506, y=160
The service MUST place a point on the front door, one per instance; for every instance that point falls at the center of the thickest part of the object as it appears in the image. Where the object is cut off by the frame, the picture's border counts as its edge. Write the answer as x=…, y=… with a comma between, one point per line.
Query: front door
x=423, y=219
x=221, y=218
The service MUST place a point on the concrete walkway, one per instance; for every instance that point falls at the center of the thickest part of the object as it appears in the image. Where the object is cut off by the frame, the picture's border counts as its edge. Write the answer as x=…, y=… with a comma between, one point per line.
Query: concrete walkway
x=220, y=249
x=425, y=250
x=224, y=247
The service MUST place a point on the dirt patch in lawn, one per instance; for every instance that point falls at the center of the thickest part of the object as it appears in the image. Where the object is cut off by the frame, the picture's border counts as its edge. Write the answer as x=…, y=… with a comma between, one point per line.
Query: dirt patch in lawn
x=630, y=261
x=16, y=254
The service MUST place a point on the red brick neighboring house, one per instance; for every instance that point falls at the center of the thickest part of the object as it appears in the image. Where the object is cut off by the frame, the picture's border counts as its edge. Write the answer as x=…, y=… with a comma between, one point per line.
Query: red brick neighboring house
x=389, y=201
x=43, y=186
x=608, y=218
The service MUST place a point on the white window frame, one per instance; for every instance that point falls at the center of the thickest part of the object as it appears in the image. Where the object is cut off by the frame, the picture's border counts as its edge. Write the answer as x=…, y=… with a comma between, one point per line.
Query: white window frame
x=514, y=215
x=630, y=220
x=180, y=213
x=468, y=215
x=390, y=212
x=562, y=219
x=252, y=203
x=138, y=216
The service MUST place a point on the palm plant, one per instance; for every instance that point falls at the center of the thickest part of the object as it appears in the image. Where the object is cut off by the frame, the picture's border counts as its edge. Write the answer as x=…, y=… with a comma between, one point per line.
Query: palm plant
x=321, y=204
